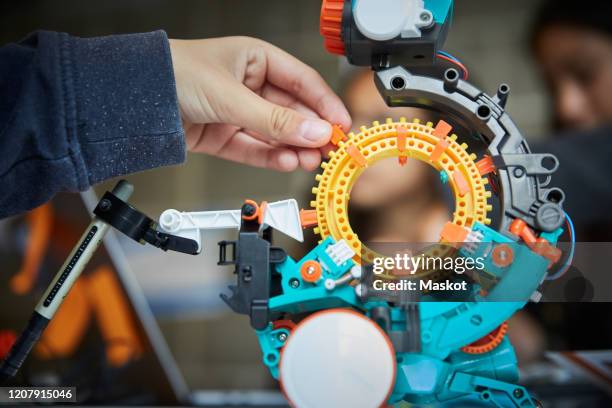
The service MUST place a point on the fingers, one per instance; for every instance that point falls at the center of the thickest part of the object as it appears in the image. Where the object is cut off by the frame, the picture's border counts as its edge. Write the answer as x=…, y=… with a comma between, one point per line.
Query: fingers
x=241, y=107
x=309, y=158
x=243, y=148
x=280, y=97
x=231, y=143
x=304, y=83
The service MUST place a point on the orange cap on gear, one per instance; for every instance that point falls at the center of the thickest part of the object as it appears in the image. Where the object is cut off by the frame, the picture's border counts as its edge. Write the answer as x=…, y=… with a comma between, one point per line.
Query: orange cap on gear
x=331, y=25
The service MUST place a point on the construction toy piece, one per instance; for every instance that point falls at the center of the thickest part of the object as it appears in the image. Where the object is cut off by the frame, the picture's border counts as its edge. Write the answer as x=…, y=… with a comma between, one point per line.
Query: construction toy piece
x=488, y=342
x=502, y=255
x=283, y=216
x=328, y=352
x=338, y=135
x=331, y=25
x=396, y=139
x=538, y=245
x=311, y=271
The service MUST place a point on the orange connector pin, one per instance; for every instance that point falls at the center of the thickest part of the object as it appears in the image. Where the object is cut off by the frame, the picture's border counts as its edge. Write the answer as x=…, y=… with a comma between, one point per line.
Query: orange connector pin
x=337, y=135
x=308, y=218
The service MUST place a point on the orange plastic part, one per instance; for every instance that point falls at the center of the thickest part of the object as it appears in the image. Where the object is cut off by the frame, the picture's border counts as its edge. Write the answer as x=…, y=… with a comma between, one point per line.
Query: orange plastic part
x=262, y=211
x=441, y=146
x=453, y=233
x=255, y=214
x=356, y=155
x=308, y=218
x=311, y=271
x=283, y=324
x=502, y=255
x=402, y=160
x=538, y=245
x=402, y=134
x=442, y=129
x=338, y=135
x=488, y=342
x=330, y=25
x=485, y=165
x=462, y=186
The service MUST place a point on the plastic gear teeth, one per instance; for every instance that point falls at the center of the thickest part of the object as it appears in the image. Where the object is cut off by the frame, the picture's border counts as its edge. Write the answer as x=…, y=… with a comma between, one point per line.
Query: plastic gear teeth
x=488, y=342
x=381, y=141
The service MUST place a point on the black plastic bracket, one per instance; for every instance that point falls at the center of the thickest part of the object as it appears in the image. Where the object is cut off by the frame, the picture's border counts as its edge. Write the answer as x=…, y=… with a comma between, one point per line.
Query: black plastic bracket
x=138, y=226
x=254, y=258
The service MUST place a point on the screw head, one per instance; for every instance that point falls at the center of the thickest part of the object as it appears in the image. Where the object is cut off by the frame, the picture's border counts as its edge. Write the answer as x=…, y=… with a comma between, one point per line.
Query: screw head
x=282, y=337
x=294, y=283
x=248, y=209
x=518, y=172
x=518, y=393
x=105, y=205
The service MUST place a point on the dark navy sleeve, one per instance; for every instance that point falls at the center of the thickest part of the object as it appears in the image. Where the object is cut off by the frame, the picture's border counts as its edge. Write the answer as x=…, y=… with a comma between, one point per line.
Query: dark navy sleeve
x=76, y=111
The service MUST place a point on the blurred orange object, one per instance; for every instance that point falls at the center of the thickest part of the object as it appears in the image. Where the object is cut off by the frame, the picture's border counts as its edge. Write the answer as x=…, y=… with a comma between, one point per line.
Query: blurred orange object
x=98, y=295
x=39, y=221
x=7, y=338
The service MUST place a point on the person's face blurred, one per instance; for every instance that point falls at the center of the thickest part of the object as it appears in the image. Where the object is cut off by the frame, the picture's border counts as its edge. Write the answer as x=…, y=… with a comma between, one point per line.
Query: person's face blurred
x=387, y=180
x=577, y=64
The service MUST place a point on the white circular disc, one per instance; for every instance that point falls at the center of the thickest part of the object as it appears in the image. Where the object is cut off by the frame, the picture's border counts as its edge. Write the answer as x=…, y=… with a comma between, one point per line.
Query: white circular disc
x=337, y=358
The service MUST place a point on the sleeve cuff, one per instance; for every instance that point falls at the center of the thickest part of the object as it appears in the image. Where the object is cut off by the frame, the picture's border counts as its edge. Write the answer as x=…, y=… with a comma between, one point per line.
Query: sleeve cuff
x=122, y=112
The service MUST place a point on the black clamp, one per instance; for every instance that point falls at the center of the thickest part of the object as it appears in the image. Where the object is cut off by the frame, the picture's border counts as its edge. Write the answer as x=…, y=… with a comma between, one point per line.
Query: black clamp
x=254, y=258
x=138, y=226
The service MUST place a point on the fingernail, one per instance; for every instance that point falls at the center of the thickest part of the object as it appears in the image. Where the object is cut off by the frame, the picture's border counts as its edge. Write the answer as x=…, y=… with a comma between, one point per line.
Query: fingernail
x=315, y=130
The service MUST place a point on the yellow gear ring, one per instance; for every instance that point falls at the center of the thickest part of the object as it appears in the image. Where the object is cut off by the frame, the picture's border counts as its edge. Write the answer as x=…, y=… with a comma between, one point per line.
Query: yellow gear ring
x=404, y=140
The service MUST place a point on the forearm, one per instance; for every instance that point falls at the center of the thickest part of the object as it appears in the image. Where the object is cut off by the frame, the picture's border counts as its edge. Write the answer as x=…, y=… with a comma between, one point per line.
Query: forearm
x=78, y=111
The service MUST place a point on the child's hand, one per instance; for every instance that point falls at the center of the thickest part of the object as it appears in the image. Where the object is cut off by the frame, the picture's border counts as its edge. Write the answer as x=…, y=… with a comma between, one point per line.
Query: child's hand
x=245, y=100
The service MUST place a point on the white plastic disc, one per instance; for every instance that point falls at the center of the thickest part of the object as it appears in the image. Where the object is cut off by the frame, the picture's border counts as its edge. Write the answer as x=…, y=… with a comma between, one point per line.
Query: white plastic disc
x=337, y=358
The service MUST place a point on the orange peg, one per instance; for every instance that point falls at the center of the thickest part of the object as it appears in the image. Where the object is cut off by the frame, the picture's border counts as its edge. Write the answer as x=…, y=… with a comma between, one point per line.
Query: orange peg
x=308, y=218
x=337, y=135
x=442, y=129
x=356, y=155
x=402, y=134
x=485, y=165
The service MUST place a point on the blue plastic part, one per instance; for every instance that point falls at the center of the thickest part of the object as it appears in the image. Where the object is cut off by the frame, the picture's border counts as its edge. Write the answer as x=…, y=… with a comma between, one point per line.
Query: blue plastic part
x=300, y=296
x=440, y=372
x=443, y=177
x=271, y=341
x=441, y=9
x=552, y=237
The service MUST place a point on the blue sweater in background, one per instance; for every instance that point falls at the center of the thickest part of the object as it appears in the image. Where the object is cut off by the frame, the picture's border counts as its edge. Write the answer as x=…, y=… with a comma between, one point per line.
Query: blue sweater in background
x=76, y=111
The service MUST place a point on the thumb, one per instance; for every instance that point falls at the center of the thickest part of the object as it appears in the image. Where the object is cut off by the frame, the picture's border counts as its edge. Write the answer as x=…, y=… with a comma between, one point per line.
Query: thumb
x=274, y=122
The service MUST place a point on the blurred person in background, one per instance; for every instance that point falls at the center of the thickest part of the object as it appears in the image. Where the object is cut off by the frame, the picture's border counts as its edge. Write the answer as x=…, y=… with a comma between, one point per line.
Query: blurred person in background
x=572, y=44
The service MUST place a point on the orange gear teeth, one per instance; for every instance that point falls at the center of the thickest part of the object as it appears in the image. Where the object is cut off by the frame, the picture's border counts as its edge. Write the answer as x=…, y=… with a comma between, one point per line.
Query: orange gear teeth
x=330, y=25
x=488, y=342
